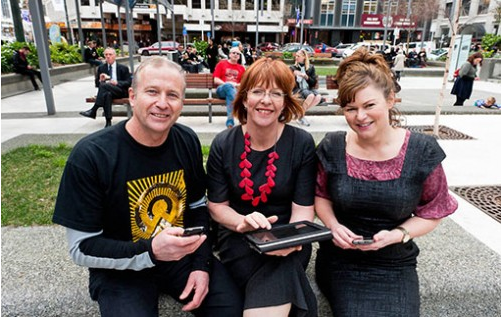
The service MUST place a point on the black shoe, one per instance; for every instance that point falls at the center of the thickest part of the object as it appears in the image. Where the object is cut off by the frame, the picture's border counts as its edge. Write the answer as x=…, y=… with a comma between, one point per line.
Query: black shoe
x=108, y=123
x=89, y=114
x=37, y=88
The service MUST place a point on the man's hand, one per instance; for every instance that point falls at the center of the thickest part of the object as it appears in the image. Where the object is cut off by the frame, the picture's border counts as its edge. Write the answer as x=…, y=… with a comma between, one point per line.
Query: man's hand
x=168, y=245
x=198, y=282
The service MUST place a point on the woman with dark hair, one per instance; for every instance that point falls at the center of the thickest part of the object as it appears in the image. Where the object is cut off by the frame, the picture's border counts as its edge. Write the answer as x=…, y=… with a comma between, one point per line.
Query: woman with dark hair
x=260, y=173
x=211, y=53
x=378, y=187
x=463, y=86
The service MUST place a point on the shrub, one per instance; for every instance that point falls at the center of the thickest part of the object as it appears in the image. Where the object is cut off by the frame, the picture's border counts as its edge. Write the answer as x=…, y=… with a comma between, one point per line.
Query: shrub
x=63, y=53
x=8, y=53
x=491, y=43
x=287, y=55
x=201, y=46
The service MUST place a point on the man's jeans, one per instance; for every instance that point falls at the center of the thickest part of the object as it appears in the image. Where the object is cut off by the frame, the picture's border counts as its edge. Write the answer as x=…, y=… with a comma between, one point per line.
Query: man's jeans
x=227, y=91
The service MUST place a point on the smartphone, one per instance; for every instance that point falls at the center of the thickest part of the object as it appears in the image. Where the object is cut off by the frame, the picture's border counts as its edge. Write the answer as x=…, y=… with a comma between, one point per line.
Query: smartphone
x=363, y=241
x=193, y=231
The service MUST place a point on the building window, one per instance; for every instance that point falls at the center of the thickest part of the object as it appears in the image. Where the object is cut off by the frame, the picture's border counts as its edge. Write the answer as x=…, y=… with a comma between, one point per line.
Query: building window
x=223, y=4
x=84, y=3
x=448, y=10
x=465, y=8
x=235, y=5
x=249, y=5
x=275, y=5
x=6, y=9
x=348, y=9
x=327, y=12
x=196, y=4
x=483, y=6
x=370, y=6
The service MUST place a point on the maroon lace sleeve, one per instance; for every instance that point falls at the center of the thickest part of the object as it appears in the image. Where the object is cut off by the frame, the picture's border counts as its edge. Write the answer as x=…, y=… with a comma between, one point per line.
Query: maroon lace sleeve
x=321, y=186
x=436, y=202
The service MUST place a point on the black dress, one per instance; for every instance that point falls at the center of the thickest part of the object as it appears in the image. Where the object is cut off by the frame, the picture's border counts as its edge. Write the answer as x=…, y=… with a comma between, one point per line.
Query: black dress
x=266, y=280
x=383, y=282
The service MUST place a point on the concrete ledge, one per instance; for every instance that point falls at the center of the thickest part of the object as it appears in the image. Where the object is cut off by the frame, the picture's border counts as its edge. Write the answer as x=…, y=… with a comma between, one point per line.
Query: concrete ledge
x=15, y=84
x=458, y=274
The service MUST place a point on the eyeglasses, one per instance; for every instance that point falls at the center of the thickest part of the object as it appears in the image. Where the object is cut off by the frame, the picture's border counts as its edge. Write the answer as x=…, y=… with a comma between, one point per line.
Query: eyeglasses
x=234, y=53
x=261, y=93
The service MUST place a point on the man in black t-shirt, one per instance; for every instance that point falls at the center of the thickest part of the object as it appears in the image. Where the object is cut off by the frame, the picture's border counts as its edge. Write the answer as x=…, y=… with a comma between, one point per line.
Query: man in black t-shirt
x=125, y=196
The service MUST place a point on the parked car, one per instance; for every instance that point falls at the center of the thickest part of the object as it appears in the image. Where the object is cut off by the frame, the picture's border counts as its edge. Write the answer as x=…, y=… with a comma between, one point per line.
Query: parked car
x=293, y=48
x=428, y=46
x=268, y=46
x=328, y=49
x=436, y=54
x=167, y=46
x=370, y=46
x=341, y=47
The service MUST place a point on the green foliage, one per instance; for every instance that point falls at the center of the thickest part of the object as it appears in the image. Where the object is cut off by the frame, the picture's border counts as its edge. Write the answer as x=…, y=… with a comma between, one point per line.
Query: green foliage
x=287, y=55
x=100, y=51
x=201, y=46
x=63, y=53
x=60, y=53
x=30, y=180
x=491, y=43
x=8, y=53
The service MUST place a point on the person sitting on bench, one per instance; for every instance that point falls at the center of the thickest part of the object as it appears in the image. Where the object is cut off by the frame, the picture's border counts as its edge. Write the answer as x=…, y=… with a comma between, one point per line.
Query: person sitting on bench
x=113, y=81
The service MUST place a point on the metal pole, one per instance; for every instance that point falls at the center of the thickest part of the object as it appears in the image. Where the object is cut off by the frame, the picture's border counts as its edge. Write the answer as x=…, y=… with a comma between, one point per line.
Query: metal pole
x=159, y=36
x=103, y=29
x=302, y=23
x=409, y=8
x=213, y=30
x=386, y=23
x=17, y=21
x=36, y=10
x=120, y=39
x=68, y=26
x=80, y=32
x=257, y=22
x=174, y=23
x=130, y=35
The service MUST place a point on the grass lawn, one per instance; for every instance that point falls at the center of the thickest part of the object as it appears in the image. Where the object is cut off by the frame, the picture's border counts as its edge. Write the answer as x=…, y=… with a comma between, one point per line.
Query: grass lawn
x=325, y=70
x=30, y=181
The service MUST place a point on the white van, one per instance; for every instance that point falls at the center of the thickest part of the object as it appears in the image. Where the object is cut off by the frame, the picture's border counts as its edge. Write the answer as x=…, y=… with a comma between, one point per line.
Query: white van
x=428, y=46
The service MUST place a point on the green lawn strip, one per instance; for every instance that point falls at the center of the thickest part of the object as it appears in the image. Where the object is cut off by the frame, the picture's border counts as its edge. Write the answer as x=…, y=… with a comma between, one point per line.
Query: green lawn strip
x=325, y=70
x=30, y=181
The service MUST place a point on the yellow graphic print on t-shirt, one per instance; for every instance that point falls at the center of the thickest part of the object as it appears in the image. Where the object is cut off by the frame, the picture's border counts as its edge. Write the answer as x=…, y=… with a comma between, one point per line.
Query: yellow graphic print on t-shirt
x=156, y=202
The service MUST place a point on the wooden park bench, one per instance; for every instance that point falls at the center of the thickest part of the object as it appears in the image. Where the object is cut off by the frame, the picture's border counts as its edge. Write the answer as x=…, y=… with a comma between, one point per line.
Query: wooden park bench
x=193, y=81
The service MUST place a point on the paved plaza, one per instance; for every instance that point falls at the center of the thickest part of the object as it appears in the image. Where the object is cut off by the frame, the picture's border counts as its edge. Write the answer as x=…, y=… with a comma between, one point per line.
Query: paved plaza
x=459, y=265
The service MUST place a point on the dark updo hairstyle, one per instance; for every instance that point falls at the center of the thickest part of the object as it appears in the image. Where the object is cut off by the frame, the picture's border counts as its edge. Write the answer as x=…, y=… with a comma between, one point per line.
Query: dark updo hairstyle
x=362, y=69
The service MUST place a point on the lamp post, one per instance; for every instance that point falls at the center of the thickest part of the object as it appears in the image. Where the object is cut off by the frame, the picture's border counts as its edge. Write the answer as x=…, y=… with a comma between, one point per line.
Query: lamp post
x=386, y=23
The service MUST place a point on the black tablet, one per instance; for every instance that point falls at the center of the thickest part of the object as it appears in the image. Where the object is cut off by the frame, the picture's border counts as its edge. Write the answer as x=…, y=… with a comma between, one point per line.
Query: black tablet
x=289, y=235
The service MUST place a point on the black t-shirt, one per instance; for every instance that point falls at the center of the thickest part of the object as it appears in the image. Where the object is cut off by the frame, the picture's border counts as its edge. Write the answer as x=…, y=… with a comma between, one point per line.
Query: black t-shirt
x=115, y=185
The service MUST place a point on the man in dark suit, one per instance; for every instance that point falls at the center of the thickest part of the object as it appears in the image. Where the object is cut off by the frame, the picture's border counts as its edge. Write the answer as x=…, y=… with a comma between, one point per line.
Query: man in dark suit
x=113, y=81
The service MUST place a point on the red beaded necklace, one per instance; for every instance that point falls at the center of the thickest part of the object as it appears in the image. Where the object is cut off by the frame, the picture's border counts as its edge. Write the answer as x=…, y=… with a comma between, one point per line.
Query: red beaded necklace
x=247, y=183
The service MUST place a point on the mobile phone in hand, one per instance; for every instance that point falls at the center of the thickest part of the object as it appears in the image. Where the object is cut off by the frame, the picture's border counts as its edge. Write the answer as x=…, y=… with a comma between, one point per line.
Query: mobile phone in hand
x=363, y=241
x=193, y=231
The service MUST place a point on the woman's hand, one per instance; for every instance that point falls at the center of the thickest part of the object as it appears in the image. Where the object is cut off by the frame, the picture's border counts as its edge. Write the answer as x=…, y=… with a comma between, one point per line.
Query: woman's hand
x=382, y=239
x=343, y=237
x=254, y=221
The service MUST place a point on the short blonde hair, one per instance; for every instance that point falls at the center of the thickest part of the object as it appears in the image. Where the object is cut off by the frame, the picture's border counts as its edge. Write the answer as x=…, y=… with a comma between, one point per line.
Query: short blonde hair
x=490, y=100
